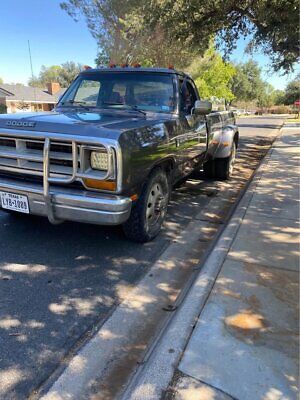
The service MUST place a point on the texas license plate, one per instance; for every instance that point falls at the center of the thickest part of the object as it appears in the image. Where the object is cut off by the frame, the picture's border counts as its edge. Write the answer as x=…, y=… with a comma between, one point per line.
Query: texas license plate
x=14, y=202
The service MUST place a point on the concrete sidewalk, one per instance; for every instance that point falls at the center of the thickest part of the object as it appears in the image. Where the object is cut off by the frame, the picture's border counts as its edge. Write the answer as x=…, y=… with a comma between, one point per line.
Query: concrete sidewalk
x=245, y=344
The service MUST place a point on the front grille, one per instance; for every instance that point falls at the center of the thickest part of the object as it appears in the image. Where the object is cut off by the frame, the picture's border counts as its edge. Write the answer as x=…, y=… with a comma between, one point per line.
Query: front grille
x=25, y=157
x=18, y=178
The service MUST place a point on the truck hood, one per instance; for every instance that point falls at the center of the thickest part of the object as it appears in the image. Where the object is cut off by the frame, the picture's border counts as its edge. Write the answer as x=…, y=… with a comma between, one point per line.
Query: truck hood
x=98, y=124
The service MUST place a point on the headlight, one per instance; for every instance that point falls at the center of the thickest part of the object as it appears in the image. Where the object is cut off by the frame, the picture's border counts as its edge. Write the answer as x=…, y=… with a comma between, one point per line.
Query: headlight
x=99, y=160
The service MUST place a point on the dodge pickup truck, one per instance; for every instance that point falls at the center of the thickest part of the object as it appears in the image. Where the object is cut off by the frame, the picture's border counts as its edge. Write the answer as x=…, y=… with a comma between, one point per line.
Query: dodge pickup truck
x=112, y=149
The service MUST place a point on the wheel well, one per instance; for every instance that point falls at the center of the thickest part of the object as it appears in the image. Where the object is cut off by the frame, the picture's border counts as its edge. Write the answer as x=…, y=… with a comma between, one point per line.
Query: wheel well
x=167, y=165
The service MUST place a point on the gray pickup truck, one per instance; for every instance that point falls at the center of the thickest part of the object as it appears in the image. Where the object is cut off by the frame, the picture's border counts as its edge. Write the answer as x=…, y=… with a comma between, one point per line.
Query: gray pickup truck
x=110, y=152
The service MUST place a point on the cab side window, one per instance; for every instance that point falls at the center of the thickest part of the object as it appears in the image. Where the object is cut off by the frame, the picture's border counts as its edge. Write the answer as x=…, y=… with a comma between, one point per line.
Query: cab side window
x=188, y=96
x=214, y=121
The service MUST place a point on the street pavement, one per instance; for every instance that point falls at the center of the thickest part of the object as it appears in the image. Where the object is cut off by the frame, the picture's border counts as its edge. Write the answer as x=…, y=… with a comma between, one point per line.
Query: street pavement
x=58, y=284
x=245, y=345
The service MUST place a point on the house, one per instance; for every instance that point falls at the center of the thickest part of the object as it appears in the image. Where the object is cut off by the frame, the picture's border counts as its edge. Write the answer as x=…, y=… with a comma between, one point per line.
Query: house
x=20, y=98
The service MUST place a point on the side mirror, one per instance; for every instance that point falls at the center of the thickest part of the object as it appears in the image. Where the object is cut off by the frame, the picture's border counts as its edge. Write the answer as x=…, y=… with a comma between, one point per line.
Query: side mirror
x=202, y=107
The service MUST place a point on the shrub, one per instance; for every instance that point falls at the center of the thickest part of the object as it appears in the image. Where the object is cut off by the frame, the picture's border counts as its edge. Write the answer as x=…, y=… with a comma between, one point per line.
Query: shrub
x=3, y=109
x=281, y=110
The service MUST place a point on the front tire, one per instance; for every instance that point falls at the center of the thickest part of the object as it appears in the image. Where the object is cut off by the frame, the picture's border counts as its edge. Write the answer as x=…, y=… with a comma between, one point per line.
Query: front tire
x=149, y=211
x=13, y=213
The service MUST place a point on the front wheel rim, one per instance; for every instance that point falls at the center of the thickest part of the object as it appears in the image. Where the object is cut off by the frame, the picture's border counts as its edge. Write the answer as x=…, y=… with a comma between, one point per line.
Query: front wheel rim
x=156, y=205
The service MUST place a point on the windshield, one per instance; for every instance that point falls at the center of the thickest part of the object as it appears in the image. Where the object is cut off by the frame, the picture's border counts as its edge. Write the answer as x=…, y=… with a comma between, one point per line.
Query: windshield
x=124, y=90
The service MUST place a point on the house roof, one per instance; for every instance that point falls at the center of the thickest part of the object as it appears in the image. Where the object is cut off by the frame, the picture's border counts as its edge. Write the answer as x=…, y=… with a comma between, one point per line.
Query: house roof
x=59, y=93
x=4, y=93
x=28, y=94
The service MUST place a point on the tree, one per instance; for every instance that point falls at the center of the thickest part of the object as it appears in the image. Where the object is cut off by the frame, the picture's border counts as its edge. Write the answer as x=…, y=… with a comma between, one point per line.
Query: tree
x=22, y=105
x=272, y=24
x=248, y=86
x=106, y=21
x=122, y=35
x=124, y=28
x=1, y=80
x=3, y=109
x=46, y=75
x=247, y=83
x=292, y=91
x=279, y=97
x=213, y=76
x=69, y=72
x=63, y=74
x=266, y=97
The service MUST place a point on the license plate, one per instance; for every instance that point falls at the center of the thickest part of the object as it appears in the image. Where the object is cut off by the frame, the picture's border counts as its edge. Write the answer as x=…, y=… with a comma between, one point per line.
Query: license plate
x=14, y=202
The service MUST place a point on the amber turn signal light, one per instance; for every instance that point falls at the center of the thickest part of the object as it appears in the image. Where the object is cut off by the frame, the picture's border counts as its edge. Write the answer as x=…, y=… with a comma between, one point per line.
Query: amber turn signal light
x=134, y=197
x=102, y=185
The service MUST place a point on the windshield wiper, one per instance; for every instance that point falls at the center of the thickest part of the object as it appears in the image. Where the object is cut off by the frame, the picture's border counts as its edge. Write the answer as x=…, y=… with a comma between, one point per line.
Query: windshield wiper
x=76, y=103
x=134, y=108
x=126, y=106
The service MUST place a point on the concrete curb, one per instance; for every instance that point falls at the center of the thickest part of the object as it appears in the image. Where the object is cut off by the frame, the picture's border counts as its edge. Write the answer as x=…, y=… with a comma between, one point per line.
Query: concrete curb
x=291, y=125
x=152, y=379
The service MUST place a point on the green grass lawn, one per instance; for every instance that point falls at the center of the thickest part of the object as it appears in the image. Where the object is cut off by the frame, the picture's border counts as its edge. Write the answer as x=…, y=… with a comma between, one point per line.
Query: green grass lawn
x=297, y=119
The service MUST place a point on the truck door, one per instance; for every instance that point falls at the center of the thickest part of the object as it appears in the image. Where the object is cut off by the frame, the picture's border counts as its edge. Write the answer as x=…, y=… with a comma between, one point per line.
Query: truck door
x=193, y=126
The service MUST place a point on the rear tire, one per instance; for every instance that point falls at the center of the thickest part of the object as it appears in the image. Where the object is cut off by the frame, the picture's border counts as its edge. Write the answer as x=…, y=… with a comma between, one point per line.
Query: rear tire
x=220, y=168
x=224, y=166
x=209, y=169
x=149, y=211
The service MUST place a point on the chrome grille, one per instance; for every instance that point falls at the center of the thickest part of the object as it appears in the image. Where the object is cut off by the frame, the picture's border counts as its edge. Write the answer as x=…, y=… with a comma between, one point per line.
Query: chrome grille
x=25, y=156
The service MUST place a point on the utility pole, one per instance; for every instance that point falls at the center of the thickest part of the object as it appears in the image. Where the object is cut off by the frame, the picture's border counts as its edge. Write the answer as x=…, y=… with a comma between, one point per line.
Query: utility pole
x=32, y=76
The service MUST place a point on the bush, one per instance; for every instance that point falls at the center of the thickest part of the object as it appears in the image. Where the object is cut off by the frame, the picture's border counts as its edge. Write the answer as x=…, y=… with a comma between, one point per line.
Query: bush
x=281, y=110
x=3, y=109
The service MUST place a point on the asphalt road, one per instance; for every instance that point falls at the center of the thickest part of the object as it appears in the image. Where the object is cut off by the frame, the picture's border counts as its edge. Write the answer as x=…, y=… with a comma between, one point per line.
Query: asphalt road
x=57, y=283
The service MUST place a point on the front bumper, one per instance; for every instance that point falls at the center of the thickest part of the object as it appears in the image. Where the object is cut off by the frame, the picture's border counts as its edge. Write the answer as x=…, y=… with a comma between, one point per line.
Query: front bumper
x=63, y=203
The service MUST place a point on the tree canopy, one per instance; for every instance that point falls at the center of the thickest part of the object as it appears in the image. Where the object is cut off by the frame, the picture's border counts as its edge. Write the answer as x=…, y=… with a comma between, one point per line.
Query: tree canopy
x=63, y=74
x=122, y=35
x=266, y=97
x=247, y=84
x=213, y=76
x=156, y=30
x=1, y=80
x=292, y=91
x=272, y=24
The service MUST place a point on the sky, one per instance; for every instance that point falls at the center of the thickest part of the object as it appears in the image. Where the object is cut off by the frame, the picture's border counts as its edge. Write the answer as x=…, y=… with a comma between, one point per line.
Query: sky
x=56, y=38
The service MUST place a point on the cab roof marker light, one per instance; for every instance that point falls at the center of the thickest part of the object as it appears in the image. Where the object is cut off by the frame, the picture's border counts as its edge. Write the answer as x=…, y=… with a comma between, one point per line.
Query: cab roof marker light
x=112, y=65
x=170, y=66
x=124, y=65
x=136, y=65
x=86, y=67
